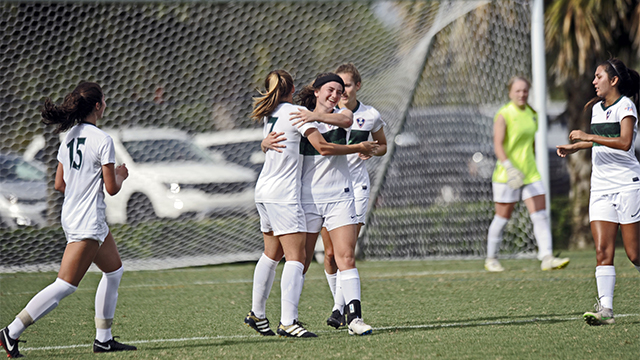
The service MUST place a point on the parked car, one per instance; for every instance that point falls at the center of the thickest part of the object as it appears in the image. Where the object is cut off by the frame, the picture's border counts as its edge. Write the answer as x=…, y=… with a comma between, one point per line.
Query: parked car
x=171, y=177
x=241, y=146
x=23, y=193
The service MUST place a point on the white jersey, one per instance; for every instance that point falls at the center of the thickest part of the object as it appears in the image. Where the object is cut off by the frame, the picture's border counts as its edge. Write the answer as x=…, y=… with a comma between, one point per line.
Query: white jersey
x=280, y=180
x=325, y=178
x=613, y=170
x=82, y=154
x=366, y=120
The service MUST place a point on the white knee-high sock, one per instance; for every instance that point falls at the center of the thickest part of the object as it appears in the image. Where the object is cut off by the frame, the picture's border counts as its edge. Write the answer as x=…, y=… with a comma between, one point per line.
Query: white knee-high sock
x=350, y=284
x=542, y=233
x=40, y=305
x=338, y=298
x=106, y=300
x=606, y=282
x=494, y=237
x=263, y=277
x=291, y=287
x=331, y=279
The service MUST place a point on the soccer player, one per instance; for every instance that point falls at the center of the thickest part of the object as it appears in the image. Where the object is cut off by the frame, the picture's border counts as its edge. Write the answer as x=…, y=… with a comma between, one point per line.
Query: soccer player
x=516, y=177
x=86, y=161
x=615, y=178
x=278, y=195
x=367, y=122
x=328, y=196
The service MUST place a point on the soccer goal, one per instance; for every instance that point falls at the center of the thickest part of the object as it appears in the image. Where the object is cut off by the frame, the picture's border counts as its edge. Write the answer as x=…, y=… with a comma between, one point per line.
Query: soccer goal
x=179, y=78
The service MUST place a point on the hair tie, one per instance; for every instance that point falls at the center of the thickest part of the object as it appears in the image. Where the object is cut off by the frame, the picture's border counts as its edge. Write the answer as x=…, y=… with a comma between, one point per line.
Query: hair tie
x=327, y=78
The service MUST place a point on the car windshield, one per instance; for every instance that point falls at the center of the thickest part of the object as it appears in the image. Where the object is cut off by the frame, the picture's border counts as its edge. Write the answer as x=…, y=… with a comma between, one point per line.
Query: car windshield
x=164, y=150
x=239, y=153
x=17, y=170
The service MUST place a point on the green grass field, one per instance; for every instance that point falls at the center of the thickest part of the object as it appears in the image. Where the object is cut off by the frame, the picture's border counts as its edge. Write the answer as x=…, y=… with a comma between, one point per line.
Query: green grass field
x=449, y=309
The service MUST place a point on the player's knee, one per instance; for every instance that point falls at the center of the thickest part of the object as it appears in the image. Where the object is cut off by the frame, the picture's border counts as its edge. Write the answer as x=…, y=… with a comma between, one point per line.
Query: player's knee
x=634, y=258
x=604, y=256
x=329, y=255
x=347, y=261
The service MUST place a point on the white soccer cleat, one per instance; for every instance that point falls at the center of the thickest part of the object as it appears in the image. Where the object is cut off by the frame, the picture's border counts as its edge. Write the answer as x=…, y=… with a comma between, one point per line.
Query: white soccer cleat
x=602, y=316
x=551, y=262
x=493, y=265
x=358, y=327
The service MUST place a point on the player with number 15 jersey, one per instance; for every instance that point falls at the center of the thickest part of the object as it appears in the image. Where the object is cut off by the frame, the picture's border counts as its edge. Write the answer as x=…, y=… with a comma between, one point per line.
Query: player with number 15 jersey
x=83, y=152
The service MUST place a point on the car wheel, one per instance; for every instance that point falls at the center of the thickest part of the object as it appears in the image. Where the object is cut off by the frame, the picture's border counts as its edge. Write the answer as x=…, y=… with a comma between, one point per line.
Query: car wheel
x=139, y=209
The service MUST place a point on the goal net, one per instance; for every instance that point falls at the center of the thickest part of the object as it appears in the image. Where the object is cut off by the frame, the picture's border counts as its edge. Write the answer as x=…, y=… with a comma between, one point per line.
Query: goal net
x=178, y=79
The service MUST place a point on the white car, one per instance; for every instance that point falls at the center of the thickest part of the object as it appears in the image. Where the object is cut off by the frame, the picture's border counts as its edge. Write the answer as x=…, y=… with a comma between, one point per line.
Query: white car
x=240, y=146
x=23, y=193
x=171, y=177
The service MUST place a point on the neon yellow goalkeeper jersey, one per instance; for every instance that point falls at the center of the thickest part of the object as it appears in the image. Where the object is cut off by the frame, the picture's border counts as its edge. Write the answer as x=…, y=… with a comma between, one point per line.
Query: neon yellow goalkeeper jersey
x=518, y=142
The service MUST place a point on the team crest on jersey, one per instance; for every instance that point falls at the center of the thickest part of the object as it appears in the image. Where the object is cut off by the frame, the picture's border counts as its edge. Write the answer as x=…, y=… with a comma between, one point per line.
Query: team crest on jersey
x=608, y=113
x=360, y=122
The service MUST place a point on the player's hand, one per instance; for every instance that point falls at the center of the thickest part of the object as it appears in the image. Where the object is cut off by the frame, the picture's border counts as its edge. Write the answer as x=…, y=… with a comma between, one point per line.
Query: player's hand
x=515, y=177
x=564, y=150
x=578, y=135
x=302, y=117
x=272, y=142
x=365, y=156
x=369, y=148
x=122, y=171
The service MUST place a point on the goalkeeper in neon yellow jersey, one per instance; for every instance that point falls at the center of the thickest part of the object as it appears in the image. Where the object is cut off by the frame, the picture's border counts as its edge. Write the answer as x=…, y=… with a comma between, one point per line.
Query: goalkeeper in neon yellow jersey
x=516, y=177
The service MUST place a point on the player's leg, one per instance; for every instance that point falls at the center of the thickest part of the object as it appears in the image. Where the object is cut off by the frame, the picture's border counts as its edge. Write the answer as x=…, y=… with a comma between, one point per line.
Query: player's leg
x=494, y=236
x=294, y=246
x=631, y=240
x=75, y=263
x=344, y=242
x=263, y=276
x=604, y=235
x=336, y=319
x=535, y=201
x=108, y=260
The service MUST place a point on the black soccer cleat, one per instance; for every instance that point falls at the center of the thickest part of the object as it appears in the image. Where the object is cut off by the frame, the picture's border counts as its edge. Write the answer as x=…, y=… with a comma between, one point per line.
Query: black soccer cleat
x=10, y=345
x=294, y=330
x=336, y=319
x=259, y=325
x=110, y=346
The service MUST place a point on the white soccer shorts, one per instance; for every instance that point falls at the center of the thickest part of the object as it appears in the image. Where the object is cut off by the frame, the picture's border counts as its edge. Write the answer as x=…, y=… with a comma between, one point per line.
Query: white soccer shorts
x=503, y=193
x=361, y=209
x=330, y=215
x=620, y=208
x=98, y=236
x=282, y=219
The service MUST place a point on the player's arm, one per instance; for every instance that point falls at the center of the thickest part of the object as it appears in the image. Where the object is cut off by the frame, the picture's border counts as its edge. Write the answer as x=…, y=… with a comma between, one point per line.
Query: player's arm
x=499, y=134
x=60, y=185
x=113, y=177
x=568, y=149
x=382, y=145
x=343, y=119
x=326, y=148
x=623, y=142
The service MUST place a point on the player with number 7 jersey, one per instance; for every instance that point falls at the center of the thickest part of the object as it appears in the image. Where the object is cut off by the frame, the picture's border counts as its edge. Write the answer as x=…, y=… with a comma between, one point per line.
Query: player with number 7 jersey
x=280, y=178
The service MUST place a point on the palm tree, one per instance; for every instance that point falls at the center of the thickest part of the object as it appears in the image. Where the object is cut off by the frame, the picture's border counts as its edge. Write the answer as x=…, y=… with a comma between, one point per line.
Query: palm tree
x=580, y=34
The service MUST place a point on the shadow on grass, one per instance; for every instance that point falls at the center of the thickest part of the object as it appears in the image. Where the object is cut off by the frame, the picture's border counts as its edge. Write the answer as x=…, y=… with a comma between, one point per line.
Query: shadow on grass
x=206, y=343
x=486, y=321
